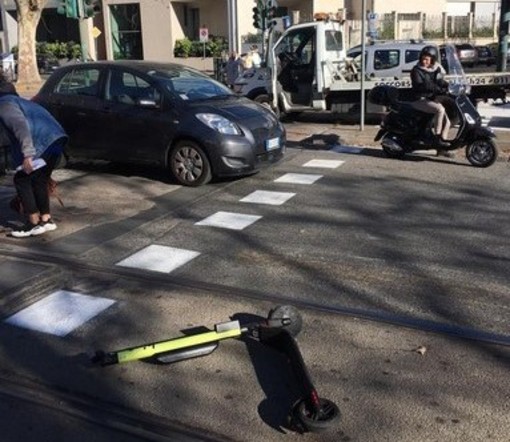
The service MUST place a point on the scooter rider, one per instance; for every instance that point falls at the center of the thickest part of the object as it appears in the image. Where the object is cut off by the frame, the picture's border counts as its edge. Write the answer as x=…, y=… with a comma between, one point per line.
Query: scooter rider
x=427, y=84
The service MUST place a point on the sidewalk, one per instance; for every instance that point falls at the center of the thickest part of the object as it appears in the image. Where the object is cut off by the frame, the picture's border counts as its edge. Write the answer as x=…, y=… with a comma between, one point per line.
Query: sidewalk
x=329, y=134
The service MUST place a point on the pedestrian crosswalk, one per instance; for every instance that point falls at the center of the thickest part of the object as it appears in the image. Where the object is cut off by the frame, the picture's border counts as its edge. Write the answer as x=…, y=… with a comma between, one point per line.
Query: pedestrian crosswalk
x=266, y=197
x=229, y=220
x=62, y=312
x=159, y=258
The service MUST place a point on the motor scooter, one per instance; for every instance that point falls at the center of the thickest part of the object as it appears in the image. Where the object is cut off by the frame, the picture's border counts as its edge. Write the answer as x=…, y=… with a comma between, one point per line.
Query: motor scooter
x=405, y=129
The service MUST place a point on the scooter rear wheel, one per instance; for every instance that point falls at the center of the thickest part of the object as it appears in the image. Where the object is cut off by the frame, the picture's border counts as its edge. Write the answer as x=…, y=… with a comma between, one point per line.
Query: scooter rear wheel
x=288, y=312
x=482, y=152
x=315, y=421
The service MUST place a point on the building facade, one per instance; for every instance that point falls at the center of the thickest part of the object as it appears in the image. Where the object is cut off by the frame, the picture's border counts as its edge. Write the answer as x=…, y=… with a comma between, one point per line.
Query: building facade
x=149, y=29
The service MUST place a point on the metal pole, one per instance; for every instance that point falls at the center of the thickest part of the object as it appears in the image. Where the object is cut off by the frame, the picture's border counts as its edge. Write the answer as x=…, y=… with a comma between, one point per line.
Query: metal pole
x=233, y=44
x=504, y=21
x=84, y=31
x=363, y=21
x=4, y=27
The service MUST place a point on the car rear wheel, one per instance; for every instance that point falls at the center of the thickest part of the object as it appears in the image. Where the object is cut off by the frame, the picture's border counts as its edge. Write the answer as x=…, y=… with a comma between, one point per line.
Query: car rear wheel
x=189, y=164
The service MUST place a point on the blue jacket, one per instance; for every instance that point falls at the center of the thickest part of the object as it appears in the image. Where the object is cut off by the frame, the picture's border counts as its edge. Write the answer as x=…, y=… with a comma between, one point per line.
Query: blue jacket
x=30, y=129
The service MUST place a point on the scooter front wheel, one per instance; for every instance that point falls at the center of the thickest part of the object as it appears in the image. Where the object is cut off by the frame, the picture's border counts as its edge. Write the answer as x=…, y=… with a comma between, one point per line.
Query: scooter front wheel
x=482, y=152
x=326, y=417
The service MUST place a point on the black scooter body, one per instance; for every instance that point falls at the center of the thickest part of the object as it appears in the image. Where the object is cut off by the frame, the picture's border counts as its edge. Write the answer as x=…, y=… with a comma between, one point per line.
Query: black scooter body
x=405, y=129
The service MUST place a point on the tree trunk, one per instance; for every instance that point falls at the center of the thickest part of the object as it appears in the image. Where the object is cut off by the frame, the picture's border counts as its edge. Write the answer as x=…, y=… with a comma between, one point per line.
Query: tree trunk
x=29, y=14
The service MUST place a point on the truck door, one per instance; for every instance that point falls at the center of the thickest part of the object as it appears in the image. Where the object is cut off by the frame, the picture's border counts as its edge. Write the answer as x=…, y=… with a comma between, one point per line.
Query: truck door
x=331, y=55
x=295, y=65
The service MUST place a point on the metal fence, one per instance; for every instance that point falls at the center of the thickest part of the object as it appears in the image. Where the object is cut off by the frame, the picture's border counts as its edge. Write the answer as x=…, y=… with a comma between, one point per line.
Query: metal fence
x=396, y=26
x=479, y=29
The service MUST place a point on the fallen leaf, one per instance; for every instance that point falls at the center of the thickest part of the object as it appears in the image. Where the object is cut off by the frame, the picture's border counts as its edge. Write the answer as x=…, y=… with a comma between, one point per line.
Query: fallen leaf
x=421, y=350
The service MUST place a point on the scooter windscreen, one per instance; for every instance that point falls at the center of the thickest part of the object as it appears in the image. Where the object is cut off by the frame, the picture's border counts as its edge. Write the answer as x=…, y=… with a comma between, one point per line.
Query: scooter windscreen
x=455, y=75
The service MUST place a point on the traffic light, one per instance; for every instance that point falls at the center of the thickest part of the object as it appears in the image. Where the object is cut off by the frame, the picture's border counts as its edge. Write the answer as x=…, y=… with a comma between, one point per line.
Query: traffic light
x=69, y=8
x=257, y=18
x=91, y=8
x=271, y=12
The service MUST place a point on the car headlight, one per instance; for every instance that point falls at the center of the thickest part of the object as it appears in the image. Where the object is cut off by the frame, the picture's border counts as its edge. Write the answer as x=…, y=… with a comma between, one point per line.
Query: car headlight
x=219, y=124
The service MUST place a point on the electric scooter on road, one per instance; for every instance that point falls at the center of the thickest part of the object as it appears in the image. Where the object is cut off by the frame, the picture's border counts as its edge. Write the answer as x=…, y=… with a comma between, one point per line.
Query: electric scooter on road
x=310, y=413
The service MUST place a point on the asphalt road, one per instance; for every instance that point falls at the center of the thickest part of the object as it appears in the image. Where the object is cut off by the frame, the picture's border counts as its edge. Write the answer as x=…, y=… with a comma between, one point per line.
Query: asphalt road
x=422, y=242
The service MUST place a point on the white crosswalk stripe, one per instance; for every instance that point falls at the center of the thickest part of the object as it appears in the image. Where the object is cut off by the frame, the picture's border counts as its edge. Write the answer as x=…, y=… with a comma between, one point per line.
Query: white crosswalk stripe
x=60, y=313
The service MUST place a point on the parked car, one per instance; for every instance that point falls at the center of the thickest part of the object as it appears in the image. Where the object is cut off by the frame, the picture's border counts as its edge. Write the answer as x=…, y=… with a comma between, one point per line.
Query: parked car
x=495, y=48
x=467, y=54
x=163, y=114
x=47, y=64
x=485, y=55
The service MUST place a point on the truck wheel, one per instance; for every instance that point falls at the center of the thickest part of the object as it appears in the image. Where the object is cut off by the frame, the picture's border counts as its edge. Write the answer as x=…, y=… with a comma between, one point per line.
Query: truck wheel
x=264, y=100
x=482, y=152
x=189, y=164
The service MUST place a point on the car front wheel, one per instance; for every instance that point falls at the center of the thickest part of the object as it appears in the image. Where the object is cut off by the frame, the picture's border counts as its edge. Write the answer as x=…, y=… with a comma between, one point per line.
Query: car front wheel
x=189, y=164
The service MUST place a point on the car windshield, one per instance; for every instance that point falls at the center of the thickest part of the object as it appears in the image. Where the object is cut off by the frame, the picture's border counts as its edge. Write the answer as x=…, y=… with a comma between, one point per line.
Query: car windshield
x=190, y=85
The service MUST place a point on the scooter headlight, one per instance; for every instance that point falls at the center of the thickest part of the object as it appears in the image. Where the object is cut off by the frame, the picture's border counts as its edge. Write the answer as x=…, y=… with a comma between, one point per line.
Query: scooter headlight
x=469, y=118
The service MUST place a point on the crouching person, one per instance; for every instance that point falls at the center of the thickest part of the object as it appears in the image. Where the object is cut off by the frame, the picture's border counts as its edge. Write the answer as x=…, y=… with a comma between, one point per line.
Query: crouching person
x=36, y=141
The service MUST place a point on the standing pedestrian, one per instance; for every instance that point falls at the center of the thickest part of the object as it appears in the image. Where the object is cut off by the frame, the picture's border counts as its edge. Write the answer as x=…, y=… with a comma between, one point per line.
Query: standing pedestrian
x=255, y=56
x=36, y=142
x=233, y=69
x=246, y=61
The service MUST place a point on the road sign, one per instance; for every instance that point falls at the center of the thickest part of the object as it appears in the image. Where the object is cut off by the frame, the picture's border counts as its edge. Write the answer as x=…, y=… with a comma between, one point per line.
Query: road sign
x=204, y=35
x=96, y=32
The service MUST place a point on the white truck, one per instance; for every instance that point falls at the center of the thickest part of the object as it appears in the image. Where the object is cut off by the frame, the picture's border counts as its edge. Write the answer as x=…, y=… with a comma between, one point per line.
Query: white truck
x=307, y=68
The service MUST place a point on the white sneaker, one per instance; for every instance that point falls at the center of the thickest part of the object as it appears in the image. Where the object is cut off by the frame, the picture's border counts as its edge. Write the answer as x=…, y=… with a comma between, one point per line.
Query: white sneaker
x=48, y=226
x=27, y=230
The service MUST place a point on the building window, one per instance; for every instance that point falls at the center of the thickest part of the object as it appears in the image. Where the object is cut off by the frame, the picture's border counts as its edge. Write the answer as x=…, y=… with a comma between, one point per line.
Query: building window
x=126, y=32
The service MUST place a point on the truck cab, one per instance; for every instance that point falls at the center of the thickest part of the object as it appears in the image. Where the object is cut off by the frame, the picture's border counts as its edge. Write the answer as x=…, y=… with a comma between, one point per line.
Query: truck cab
x=304, y=62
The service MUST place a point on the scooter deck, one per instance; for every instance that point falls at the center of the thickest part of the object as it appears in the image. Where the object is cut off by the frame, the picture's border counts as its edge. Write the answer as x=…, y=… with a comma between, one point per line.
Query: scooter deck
x=224, y=330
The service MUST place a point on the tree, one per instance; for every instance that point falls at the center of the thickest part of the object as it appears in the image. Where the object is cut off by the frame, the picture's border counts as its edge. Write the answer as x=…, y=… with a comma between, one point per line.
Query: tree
x=29, y=14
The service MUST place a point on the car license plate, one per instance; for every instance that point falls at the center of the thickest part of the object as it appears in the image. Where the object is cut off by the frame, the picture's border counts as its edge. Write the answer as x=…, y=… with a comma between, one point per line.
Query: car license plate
x=272, y=143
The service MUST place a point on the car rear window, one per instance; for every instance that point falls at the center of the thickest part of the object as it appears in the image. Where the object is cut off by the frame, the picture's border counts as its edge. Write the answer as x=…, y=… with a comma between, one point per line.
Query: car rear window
x=79, y=82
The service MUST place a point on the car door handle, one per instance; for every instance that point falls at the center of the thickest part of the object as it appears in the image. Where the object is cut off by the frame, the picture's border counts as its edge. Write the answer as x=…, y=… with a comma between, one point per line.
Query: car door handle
x=81, y=114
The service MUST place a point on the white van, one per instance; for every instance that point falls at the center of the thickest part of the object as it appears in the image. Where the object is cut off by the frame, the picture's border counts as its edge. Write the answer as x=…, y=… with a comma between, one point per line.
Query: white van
x=389, y=59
